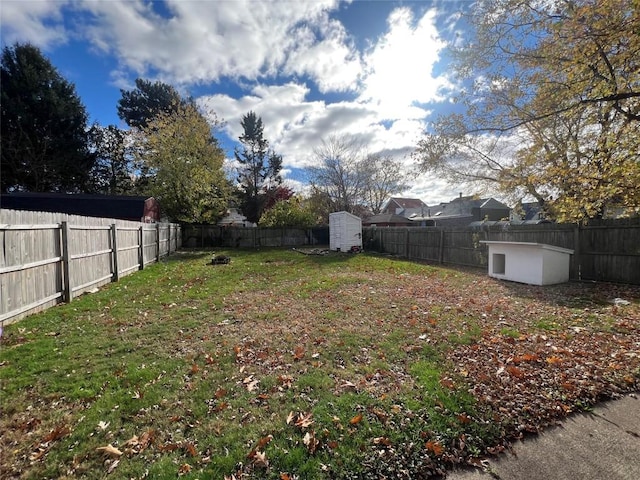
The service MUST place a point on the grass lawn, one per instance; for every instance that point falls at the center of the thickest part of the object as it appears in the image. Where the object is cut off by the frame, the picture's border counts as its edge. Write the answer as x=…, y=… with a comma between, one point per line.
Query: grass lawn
x=282, y=365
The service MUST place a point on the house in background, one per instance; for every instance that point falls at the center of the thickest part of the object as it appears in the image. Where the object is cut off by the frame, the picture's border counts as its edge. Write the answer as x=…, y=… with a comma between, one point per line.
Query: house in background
x=234, y=218
x=463, y=211
x=121, y=207
x=387, y=220
x=406, y=207
x=528, y=212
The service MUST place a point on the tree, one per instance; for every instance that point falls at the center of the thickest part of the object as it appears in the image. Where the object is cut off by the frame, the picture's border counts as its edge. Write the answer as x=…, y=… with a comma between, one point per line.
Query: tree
x=139, y=106
x=319, y=203
x=186, y=165
x=277, y=194
x=553, y=108
x=339, y=172
x=43, y=126
x=288, y=213
x=259, y=167
x=383, y=177
x=113, y=172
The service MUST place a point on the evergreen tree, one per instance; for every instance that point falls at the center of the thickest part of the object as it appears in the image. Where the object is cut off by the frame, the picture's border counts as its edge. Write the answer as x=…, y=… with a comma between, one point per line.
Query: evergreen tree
x=259, y=170
x=139, y=106
x=43, y=125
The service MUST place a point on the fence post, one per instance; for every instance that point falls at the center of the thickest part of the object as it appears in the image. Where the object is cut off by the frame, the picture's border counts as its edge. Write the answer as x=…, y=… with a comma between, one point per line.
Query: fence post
x=576, y=252
x=157, y=242
x=114, y=246
x=168, y=239
x=406, y=242
x=141, y=251
x=441, y=255
x=66, y=267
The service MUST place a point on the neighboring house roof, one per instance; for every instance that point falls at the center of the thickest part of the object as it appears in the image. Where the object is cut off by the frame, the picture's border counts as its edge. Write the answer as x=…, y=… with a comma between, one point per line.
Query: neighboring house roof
x=465, y=205
x=387, y=219
x=136, y=208
x=405, y=206
x=462, y=211
x=407, y=202
x=532, y=211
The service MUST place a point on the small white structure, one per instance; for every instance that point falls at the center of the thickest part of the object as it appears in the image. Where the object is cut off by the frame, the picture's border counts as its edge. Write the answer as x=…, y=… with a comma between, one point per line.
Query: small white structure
x=345, y=231
x=532, y=263
x=233, y=218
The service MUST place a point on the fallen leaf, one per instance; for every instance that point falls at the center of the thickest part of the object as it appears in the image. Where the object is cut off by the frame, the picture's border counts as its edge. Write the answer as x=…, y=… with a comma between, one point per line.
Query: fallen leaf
x=264, y=441
x=435, y=447
x=311, y=442
x=553, y=360
x=298, y=353
x=382, y=441
x=113, y=466
x=56, y=434
x=221, y=392
x=190, y=449
x=103, y=425
x=290, y=417
x=304, y=420
x=110, y=450
x=355, y=420
x=515, y=371
x=260, y=460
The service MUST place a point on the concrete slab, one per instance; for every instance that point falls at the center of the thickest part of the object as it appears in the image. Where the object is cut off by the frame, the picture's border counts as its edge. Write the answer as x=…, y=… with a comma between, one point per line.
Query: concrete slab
x=603, y=444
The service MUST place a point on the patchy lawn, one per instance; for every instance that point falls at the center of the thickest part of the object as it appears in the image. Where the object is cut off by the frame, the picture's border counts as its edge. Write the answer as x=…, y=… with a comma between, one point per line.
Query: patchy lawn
x=281, y=365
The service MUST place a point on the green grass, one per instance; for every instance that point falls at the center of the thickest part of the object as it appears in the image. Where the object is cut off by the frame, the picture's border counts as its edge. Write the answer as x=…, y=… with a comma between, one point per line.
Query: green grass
x=187, y=368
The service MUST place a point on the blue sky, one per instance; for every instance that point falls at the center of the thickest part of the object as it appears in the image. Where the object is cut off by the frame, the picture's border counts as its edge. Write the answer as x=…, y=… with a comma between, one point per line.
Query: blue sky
x=374, y=70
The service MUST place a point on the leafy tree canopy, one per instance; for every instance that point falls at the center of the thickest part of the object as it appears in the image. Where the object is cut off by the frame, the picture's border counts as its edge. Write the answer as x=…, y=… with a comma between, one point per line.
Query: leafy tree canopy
x=185, y=162
x=551, y=108
x=43, y=126
x=288, y=213
x=113, y=172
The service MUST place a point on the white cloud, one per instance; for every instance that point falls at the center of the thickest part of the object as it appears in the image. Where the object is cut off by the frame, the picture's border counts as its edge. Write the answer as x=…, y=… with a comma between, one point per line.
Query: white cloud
x=200, y=41
x=400, y=66
x=329, y=57
x=36, y=22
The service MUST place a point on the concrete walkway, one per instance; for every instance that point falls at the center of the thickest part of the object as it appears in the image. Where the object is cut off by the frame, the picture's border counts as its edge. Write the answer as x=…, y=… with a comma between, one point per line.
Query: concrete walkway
x=601, y=445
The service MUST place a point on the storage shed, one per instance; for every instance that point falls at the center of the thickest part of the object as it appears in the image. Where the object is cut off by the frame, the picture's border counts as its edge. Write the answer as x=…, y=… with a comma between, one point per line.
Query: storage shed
x=532, y=263
x=345, y=231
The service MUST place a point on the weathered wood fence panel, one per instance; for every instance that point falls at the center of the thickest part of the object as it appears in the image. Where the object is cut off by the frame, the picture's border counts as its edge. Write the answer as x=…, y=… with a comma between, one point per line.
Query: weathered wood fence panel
x=200, y=236
x=603, y=251
x=46, y=258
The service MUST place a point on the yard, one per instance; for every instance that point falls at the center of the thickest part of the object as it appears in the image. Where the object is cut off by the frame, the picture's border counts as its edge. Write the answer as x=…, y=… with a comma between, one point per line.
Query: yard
x=282, y=365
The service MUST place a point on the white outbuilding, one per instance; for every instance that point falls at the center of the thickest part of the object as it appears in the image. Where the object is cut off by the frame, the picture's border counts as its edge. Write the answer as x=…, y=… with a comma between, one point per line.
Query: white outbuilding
x=345, y=232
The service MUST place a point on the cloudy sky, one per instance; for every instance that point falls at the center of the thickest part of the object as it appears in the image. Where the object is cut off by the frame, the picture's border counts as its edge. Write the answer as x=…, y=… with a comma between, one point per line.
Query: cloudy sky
x=375, y=70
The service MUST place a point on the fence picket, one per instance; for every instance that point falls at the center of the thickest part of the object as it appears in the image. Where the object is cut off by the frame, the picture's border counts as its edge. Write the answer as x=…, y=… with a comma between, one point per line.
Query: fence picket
x=46, y=258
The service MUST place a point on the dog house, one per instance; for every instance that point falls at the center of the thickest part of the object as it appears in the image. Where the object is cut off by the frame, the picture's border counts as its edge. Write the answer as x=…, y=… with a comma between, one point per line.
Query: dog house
x=345, y=232
x=532, y=263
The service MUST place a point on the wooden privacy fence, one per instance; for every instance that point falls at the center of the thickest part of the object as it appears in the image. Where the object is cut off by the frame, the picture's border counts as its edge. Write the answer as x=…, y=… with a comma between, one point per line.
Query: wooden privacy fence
x=43, y=263
x=239, y=237
x=607, y=251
